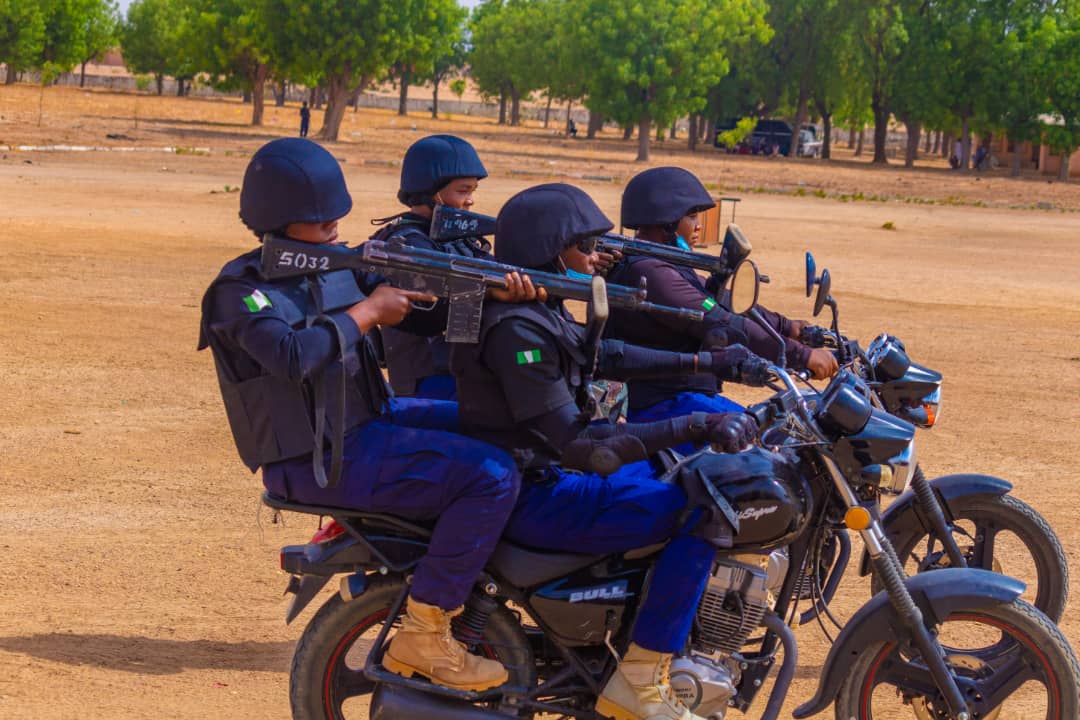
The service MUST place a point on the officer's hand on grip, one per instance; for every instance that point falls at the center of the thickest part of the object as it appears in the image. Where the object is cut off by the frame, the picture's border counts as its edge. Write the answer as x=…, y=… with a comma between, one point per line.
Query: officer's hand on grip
x=386, y=306
x=519, y=289
x=728, y=362
x=822, y=363
x=730, y=432
x=812, y=335
x=602, y=457
x=754, y=371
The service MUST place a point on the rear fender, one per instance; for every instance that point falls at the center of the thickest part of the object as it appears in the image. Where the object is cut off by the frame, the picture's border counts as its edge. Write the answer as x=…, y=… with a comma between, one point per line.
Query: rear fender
x=938, y=594
x=904, y=516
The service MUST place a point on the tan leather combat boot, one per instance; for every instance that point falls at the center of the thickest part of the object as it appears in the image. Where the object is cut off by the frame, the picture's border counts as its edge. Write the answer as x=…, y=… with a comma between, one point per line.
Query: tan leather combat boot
x=640, y=689
x=424, y=646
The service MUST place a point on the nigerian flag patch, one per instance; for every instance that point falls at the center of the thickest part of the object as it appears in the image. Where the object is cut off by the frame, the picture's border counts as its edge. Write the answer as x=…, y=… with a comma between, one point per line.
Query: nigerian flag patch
x=528, y=357
x=256, y=301
x=708, y=304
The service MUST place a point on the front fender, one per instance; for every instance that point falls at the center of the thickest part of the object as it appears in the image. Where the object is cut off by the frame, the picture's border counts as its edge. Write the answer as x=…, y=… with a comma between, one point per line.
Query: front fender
x=938, y=594
x=904, y=516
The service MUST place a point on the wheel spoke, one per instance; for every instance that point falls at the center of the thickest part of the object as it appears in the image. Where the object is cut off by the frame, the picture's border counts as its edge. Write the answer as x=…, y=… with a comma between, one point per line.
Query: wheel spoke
x=1007, y=677
x=909, y=677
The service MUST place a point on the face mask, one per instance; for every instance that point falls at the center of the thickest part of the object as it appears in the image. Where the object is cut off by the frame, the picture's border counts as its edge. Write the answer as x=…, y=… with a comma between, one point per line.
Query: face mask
x=682, y=244
x=576, y=274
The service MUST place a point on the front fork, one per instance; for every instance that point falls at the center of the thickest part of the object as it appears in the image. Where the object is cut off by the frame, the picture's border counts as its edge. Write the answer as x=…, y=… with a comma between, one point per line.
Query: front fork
x=891, y=571
x=936, y=517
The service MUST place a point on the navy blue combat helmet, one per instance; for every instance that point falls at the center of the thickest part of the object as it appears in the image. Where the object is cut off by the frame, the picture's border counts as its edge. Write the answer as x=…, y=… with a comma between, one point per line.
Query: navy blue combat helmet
x=433, y=161
x=540, y=222
x=662, y=196
x=292, y=180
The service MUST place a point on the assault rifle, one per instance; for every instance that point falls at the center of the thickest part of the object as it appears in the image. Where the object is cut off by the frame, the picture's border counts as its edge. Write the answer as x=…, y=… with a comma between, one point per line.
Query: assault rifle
x=452, y=224
x=463, y=281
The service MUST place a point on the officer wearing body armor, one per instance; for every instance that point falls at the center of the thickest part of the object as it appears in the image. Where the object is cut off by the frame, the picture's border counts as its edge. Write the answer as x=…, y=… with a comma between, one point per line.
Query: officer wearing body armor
x=445, y=170
x=662, y=204
x=522, y=388
x=303, y=393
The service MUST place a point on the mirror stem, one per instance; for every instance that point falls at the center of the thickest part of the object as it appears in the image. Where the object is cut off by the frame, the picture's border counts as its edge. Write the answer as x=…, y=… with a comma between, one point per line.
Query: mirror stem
x=756, y=316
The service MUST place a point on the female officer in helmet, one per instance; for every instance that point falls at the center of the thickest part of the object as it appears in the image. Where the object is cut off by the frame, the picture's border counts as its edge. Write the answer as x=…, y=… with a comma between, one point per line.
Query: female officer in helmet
x=294, y=350
x=443, y=170
x=662, y=204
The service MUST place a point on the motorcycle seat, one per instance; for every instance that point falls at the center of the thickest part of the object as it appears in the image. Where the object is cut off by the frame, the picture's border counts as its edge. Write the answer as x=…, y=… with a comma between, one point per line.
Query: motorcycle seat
x=525, y=568
x=350, y=516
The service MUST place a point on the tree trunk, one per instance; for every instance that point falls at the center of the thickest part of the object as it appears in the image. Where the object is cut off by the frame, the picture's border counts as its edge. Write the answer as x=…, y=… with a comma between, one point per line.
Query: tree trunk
x=159, y=79
x=258, y=83
x=911, y=153
x=826, y=146
x=937, y=143
x=946, y=145
x=596, y=121
x=1063, y=171
x=179, y=87
x=926, y=144
x=627, y=132
x=339, y=95
x=691, y=133
x=435, y=101
x=515, y=106
x=861, y=139
x=279, y=94
x=800, y=118
x=881, y=130
x=502, y=106
x=851, y=136
x=569, y=117
x=965, y=144
x=403, y=93
x=674, y=127
x=1017, y=160
x=547, y=113
x=82, y=74
x=643, y=135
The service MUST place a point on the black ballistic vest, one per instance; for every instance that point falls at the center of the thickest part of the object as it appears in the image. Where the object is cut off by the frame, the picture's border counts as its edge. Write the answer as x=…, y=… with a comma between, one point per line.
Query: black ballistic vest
x=274, y=418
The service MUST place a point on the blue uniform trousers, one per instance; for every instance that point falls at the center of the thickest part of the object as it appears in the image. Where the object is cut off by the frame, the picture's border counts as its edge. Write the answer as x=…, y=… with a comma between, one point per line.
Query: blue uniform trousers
x=585, y=513
x=683, y=404
x=408, y=462
x=437, y=387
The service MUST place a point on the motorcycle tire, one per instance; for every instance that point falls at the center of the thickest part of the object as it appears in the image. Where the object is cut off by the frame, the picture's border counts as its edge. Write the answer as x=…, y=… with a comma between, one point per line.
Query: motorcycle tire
x=321, y=679
x=1004, y=513
x=1029, y=633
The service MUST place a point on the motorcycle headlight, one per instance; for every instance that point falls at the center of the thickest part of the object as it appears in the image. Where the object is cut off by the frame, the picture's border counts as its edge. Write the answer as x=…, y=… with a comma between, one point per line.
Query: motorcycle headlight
x=903, y=468
x=925, y=411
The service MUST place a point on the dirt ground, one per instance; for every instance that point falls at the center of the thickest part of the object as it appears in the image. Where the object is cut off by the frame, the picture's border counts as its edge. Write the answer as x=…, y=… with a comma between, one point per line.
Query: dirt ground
x=140, y=576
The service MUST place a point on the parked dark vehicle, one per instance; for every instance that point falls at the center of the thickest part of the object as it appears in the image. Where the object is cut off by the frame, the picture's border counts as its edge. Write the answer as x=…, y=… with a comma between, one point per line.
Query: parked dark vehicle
x=770, y=137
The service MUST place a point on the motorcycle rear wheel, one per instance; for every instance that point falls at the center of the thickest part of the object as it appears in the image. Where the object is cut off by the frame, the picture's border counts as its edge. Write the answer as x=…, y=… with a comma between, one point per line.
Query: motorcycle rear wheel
x=326, y=681
x=1014, y=639
x=978, y=519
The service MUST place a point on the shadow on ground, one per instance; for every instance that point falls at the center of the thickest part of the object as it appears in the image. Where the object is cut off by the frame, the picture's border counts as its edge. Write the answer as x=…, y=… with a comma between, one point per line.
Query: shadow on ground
x=155, y=656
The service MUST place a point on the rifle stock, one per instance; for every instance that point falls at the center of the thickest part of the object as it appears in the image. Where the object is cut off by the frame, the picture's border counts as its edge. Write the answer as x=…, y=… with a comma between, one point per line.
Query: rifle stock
x=461, y=280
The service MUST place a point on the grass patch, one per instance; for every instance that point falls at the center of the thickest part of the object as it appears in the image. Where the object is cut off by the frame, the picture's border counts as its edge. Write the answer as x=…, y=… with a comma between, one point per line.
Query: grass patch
x=888, y=225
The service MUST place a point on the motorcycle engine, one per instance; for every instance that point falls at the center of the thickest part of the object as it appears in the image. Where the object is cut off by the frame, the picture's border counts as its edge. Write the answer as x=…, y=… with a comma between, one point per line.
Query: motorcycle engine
x=736, y=598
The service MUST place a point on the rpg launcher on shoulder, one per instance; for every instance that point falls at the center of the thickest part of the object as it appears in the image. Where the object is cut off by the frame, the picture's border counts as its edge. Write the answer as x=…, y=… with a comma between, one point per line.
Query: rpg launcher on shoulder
x=463, y=281
x=452, y=224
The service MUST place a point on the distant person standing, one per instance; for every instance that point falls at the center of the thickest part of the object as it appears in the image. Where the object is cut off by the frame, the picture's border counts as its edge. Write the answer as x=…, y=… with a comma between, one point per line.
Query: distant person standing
x=305, y=119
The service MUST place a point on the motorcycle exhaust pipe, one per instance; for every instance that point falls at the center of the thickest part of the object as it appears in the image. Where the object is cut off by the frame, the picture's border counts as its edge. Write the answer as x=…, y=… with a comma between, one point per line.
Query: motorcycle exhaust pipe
x=399, y=703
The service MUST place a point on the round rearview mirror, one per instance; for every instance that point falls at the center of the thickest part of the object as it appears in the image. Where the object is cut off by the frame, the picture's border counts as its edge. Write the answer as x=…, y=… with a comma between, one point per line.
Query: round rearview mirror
x=744, y=287
x=811, y=274
x=822, y=292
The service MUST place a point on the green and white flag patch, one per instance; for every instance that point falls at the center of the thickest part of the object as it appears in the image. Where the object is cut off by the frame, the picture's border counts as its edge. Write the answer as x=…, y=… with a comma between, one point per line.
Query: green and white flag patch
x=708, y=304
x=256, y=301
x=528, y=357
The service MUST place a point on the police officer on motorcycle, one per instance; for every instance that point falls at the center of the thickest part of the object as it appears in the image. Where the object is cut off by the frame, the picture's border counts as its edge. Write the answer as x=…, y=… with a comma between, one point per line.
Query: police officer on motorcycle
x=444, y=170
x=662, y=204
x=298, y=374
x=521, y=387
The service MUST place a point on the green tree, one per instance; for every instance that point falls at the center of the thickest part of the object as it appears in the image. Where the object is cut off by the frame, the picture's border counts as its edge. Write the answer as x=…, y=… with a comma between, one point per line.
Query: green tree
x=228, y=37
x=345, y=43
x=22, y=35
x=1061, y=75
x=880, y=37
x=431, y=36
x=652, y=62
x=101, y=32
x=506, y=38
x=153, y=39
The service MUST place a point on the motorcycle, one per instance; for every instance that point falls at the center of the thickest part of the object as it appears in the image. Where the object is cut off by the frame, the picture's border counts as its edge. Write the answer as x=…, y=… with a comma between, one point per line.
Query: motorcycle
x=951, y=521
x=559, y=621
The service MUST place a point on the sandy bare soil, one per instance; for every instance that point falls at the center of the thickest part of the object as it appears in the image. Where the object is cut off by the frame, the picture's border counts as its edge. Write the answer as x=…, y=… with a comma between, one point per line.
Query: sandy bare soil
x=140, y=576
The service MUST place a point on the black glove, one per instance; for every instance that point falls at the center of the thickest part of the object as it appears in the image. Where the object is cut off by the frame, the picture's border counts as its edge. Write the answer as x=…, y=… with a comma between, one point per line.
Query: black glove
x=754, y=371
x=727, y=363
x=813, y=336
x=728, y=432
x=602, y=457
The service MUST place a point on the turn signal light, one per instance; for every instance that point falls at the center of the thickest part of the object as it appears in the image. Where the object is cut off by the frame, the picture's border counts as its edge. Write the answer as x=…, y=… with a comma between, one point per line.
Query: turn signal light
x=857, y=518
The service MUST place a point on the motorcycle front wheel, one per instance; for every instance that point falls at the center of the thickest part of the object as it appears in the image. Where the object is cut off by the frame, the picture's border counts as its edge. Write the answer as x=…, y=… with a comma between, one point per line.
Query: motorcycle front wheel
x=1001, y=534
x=327, y=680
x=1023, y=665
